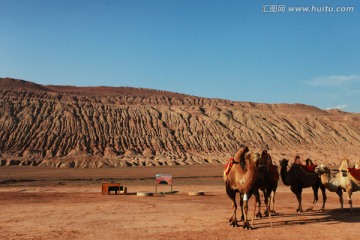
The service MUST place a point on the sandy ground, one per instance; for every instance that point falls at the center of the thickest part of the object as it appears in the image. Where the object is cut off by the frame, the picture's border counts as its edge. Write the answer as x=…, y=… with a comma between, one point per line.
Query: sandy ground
x=42, y=203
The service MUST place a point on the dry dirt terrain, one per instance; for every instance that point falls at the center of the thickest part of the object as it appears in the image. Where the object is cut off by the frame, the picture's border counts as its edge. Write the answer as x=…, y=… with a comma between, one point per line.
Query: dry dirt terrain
x=52, y=203
x=58, y=144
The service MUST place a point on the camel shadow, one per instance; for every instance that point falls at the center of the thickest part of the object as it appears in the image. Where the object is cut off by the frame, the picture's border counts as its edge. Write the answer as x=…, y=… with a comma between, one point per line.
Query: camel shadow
x=333, y=216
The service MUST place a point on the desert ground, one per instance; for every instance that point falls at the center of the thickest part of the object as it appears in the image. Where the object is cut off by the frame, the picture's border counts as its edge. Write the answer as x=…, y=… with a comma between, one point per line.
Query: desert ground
x=52, y=203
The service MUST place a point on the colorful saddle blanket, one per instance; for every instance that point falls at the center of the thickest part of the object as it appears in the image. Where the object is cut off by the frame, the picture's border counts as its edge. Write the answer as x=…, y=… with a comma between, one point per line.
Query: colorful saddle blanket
x=355, y=173
x=308, y=168
x=228, y=166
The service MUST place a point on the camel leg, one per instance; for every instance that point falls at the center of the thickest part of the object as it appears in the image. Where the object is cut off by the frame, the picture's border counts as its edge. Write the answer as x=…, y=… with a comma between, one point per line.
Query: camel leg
x=349, y=193
x=232, y=196
x=267, y=200
x=233, y=220
x=257, y=204
x=272, y=203
x=340, y=193
x=323, y=192
x=245, y=209
x=316, y=198
x=241, y=207
x=297, y=192
x=267, y=196
x=268, y=210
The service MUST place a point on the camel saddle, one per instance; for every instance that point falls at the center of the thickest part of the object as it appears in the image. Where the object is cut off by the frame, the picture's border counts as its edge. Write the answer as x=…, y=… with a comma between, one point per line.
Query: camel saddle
x=228, y=166
x=355, y=173
x=308, y=168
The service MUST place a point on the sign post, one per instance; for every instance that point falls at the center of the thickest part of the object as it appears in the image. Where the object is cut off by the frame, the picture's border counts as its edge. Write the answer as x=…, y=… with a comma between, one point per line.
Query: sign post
x=163, y=179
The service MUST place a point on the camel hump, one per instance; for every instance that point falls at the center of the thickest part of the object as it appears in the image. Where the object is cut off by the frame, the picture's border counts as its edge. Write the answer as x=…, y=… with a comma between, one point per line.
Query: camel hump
x=309, y=162
x=357, y=165
x=306, y=168
x=297, y=160
x=309, y=167
x=344, y=165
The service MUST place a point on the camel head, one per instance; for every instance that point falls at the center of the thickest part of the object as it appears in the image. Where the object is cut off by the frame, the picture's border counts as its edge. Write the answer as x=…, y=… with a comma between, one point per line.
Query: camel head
x=264, y=153
x=265, y=158
x=284, y=162
x=322, y=169
x=240, y=155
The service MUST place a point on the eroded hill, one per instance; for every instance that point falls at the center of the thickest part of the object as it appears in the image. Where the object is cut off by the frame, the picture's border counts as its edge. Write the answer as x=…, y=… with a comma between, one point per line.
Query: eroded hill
x=65, y=126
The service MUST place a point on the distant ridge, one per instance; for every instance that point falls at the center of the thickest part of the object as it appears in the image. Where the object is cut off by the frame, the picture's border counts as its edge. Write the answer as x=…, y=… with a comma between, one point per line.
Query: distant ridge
x=89, y=90
x=80, y=127
x=12, y=83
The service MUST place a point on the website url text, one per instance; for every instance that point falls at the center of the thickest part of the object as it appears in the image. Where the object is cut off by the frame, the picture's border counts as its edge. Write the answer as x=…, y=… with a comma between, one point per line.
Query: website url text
x=306, y=9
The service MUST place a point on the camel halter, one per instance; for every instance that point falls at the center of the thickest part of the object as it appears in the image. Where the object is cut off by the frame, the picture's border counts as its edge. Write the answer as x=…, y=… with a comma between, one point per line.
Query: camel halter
x=233, y=161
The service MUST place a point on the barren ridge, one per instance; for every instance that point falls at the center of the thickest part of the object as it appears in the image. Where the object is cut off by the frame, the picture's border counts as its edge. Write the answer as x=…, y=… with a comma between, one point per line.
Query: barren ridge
x=66, y=126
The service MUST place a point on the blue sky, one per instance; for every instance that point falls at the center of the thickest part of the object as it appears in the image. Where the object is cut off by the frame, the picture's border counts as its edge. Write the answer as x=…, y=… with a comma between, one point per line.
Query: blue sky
x=243, y=50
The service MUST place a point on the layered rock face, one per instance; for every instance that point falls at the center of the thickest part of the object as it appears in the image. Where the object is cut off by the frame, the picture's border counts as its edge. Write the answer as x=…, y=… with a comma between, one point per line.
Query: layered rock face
x=63, y=126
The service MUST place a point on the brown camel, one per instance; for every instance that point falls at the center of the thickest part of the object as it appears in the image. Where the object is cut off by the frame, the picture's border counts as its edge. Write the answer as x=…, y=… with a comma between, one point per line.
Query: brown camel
x=343, y=180
x=241, y=178
x=267, y=182
x=298, y=177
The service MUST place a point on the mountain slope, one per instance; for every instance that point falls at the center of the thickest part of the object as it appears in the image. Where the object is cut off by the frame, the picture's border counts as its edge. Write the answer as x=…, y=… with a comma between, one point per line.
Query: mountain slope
x=65, y=126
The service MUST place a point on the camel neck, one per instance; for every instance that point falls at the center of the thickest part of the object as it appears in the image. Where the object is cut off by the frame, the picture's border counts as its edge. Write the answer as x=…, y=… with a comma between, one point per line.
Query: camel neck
x=332, y=183
x=284, y=175
x=250, y=165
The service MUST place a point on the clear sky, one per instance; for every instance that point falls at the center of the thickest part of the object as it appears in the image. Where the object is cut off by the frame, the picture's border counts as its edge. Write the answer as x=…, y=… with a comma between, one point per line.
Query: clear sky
x=244, y=50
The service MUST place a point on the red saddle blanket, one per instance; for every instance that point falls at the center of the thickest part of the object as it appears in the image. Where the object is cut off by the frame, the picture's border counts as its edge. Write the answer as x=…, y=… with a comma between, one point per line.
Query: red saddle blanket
x=228, y=166
x=274, y=171
x=309, y=168
x=355, y=173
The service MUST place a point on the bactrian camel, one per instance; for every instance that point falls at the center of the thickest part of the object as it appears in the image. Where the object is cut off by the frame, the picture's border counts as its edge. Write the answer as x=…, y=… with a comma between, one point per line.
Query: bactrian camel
x=241, y=178
x=343, y=181
x=267, y=182
x=298, y=178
